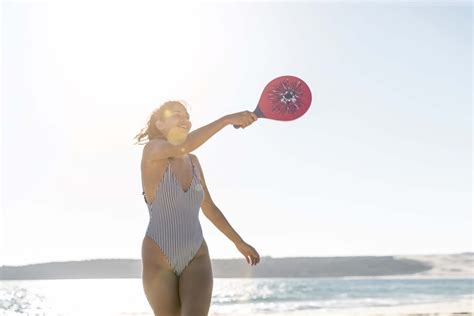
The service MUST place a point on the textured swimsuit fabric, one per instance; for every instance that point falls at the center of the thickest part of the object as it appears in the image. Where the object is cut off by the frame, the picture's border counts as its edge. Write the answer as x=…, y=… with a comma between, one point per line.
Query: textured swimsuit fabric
x=174, y=219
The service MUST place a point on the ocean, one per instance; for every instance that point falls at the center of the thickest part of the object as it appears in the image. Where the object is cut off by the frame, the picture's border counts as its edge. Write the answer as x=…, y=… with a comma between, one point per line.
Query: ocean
x=242, y=296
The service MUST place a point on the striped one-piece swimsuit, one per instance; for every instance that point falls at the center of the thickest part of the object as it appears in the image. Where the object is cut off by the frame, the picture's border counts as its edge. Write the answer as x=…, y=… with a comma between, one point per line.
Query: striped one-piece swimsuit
x=174, y=219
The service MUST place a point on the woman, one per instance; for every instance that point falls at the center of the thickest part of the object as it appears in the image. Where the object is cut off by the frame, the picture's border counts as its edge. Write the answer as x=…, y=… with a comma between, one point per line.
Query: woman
x=177, y=274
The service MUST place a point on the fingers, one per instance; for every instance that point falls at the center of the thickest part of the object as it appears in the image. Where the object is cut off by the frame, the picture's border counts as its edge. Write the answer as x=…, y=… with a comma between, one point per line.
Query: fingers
x=254, y=116
x=244, y=119
x=249, y=119
x=254, y=257
x=251, y=255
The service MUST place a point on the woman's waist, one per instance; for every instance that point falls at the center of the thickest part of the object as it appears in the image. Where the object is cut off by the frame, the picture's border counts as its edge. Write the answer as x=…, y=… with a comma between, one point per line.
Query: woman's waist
x=175, y=211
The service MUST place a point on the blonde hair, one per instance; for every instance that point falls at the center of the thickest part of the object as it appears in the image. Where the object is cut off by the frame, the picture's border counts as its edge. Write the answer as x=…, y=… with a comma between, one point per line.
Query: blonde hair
x=150, y=131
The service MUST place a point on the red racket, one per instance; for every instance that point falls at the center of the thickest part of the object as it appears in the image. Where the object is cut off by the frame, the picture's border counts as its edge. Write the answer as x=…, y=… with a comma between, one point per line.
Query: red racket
x=285, y=98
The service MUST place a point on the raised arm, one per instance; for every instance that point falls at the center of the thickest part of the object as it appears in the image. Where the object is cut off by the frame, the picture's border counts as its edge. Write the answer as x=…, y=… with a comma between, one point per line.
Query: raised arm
x=157, y=149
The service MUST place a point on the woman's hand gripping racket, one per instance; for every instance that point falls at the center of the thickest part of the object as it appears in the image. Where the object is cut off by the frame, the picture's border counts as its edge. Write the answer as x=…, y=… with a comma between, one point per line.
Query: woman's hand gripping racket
x=285, y=98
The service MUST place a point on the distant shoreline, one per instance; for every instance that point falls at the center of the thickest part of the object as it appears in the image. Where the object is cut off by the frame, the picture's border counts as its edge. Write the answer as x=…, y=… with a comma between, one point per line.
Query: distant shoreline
x=395, y=267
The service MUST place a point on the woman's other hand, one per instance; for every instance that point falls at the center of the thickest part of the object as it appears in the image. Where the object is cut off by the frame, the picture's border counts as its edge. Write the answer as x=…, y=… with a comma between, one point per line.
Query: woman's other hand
x=249, y=252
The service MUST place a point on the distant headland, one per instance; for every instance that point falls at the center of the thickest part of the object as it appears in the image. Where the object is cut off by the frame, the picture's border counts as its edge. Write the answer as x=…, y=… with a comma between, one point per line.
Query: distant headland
x=294, y=267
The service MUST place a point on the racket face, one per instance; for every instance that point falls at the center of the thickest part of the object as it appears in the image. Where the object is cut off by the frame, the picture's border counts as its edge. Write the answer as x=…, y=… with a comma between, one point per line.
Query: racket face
x=284, y=98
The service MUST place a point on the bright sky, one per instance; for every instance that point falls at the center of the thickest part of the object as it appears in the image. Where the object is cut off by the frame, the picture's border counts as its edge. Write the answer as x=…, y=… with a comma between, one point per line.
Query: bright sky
x=379, y=165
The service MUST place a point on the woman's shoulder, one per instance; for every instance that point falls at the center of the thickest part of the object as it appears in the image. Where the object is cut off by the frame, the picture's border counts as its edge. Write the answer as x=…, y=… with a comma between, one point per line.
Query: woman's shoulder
x=149, y=159
x=151, y=143
x=194, y=158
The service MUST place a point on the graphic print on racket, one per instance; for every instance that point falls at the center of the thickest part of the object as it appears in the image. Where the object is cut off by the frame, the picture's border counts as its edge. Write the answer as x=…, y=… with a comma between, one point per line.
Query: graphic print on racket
x=285, y=98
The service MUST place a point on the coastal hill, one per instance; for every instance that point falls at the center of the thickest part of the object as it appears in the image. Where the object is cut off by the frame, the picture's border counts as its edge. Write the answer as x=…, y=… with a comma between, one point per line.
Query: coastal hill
x=357, y=266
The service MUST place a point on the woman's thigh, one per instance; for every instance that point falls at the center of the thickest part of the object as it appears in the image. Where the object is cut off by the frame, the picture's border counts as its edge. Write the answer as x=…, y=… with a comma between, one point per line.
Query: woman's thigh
x=160, y=283
x=161, y=290
x=195, y=285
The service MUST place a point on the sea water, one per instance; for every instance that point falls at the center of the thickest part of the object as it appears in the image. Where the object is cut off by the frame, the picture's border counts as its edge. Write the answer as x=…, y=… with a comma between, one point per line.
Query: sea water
x=231, y=296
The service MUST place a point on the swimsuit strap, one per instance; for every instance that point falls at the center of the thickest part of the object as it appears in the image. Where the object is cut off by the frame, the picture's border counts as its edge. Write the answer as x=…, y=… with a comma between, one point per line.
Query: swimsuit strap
x=194, y=168
x=192, y=165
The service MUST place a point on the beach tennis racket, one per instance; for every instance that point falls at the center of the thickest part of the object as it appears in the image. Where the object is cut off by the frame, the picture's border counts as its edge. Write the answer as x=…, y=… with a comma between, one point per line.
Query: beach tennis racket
x=285, y=98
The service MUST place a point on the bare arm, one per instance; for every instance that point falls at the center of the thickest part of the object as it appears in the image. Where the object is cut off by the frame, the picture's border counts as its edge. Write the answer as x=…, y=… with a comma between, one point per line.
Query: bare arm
x=158, y=149
x=219, y=220
x=212, y=212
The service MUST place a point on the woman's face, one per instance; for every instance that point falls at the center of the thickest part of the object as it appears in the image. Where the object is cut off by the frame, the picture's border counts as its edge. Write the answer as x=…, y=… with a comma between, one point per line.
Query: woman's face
x=174, y=124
